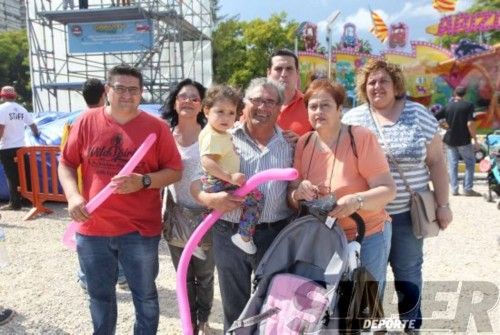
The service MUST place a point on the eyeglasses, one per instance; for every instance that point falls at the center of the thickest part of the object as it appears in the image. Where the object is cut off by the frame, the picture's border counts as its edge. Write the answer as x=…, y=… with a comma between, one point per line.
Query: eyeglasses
x=260, y=102
x=133, y=90
x=183, y=97
x=381, y=82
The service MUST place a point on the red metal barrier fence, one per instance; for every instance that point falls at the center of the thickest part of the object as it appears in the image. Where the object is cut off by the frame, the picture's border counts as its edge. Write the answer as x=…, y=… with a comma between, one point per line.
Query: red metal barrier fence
x=44, y=182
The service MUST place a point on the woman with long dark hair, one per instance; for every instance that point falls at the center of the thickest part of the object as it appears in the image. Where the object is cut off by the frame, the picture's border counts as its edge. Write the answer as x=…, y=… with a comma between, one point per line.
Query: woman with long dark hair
x=182, y=213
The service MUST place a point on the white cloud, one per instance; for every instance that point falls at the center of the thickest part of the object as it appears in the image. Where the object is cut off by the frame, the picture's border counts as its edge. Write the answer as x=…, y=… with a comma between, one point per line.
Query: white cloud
x=411, y=10
x=419, y=10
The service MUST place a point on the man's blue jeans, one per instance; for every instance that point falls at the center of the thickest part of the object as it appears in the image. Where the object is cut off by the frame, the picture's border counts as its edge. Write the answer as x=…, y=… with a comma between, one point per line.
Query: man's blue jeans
x=406, y=259
x=121, y=276
x=138, y=255
x=375, y=254
x=467, y=153
x=235, y=267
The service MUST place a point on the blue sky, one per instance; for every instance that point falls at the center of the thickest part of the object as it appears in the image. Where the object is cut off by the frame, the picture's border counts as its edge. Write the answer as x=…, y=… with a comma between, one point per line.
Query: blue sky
x=417, y=14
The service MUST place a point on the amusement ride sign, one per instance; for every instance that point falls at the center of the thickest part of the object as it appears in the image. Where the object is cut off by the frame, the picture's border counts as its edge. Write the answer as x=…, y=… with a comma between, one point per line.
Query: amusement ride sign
x=469, y=23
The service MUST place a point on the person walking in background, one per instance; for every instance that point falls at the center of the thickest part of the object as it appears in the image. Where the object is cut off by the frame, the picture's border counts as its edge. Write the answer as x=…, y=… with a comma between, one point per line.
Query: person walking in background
x=13, y=119
x=127, y=227
x=181, y=213
x=409, y=133
x=283, y=68
x=261, y=145
x=459, y=115
x=93, y=93
x=68, y=3
x=83, y=4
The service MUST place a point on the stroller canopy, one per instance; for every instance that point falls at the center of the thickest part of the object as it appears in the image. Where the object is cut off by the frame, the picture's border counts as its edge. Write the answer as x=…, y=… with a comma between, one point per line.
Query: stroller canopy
x=306, y=247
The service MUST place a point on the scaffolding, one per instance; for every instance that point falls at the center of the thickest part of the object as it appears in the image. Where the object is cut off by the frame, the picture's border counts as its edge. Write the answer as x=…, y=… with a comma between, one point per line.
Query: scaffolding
x=180, y=48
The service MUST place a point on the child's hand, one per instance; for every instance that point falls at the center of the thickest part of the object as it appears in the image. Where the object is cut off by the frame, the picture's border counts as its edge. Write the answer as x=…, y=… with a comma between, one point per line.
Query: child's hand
x=238, y=178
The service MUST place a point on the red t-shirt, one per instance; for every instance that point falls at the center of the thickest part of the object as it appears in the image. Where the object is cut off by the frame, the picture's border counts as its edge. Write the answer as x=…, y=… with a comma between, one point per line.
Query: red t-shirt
x=102, y=147
x=294, y=116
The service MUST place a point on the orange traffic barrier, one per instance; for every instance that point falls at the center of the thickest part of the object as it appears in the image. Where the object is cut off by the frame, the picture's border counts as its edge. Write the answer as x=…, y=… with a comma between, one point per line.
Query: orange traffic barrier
x=39, y=189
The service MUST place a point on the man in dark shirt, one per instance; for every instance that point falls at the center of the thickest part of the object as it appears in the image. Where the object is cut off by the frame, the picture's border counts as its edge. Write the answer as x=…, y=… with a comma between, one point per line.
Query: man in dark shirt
x=459, y=116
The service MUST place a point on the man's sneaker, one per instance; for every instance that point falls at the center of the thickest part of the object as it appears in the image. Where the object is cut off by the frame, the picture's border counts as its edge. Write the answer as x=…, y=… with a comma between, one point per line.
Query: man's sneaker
x=472, y=193
x=247, y=246
x=204, y=329
x=82, y=284
x=199, y=253
x=455, y=193
x=10, y=207
x=122, y=283
x=26, y=203
x=6, y=315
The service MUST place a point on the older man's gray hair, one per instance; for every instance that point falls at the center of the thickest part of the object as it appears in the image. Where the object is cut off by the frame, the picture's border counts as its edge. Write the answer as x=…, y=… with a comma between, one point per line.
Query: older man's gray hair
x=267, y=84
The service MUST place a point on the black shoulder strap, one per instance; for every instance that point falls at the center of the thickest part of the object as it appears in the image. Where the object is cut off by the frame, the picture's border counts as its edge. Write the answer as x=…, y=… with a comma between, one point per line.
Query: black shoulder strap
x=353, y=142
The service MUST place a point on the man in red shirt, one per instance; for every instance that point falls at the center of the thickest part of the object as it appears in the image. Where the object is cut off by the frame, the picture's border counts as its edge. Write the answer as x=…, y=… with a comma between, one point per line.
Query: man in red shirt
x=127, y=226
x=283, y=68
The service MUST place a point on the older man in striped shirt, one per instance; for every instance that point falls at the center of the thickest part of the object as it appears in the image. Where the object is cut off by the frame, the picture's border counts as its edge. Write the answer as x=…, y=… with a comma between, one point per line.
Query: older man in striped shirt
x=261, y=146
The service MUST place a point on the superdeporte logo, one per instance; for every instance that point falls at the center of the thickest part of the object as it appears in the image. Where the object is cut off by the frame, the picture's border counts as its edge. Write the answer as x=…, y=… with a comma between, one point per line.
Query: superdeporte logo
x=446, y=306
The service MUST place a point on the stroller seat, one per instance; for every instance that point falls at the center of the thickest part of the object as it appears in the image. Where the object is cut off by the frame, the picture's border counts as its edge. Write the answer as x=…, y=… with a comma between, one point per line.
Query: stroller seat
x=296, y=303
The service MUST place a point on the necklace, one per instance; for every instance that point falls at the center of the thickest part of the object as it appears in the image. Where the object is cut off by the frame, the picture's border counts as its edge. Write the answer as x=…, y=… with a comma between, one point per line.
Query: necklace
x=334, y=158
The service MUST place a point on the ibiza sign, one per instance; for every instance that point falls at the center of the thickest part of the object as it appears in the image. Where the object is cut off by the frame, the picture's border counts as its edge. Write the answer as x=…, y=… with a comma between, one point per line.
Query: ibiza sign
x=469, y=23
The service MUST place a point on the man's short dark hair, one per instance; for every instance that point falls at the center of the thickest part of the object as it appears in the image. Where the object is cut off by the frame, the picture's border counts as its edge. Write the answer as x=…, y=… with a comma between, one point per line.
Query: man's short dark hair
x=93, y=89
x=125, y=70
x=285, y=53
x=460, y=91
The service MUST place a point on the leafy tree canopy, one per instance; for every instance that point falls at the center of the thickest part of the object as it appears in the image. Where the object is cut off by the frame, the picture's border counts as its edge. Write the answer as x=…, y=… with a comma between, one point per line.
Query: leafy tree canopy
x=14, y=63
x=241, y=49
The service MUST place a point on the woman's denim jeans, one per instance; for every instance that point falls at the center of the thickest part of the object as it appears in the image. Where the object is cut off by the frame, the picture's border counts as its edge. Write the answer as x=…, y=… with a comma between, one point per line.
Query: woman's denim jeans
x=375, y=254
x=406, y=259
x=138, y=255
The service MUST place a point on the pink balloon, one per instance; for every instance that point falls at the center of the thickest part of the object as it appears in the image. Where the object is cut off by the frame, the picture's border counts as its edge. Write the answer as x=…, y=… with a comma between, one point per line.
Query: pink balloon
x=201, y=230
x=99, y=198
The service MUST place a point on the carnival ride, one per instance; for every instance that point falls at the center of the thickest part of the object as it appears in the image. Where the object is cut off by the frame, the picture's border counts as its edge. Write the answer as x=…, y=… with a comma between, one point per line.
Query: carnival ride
x=431, y=72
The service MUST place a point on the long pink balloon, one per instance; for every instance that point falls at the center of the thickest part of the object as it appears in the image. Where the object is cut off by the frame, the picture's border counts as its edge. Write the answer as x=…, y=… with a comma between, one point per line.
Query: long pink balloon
x=98, y=199
x=194, y=240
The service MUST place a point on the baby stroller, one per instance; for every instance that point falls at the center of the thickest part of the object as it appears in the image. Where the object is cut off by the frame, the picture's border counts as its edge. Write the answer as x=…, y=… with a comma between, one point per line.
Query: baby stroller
x=490, y=165
x=309, y=280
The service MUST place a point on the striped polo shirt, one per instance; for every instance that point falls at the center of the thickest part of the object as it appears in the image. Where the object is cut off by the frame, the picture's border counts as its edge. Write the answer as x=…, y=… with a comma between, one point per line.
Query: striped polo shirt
x=277, y=154
x=407, y=140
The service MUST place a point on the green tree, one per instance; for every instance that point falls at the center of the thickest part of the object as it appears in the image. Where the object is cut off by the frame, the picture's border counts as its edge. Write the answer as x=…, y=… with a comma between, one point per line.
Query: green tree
x=365, y=46
x=490, y=37
x=14, y=63
x=241, y=49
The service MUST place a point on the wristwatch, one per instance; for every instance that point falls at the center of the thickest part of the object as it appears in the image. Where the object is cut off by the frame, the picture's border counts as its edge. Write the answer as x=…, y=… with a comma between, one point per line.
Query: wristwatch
x=360, y=200
x=146, y=181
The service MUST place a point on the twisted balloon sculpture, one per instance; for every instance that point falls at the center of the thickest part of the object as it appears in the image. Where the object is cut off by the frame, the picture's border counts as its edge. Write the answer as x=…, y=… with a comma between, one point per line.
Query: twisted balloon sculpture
x=194, y=240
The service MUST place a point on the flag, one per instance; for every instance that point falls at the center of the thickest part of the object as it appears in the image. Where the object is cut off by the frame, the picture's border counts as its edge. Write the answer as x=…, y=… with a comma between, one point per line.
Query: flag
x=444, y=6
x=379, y=28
